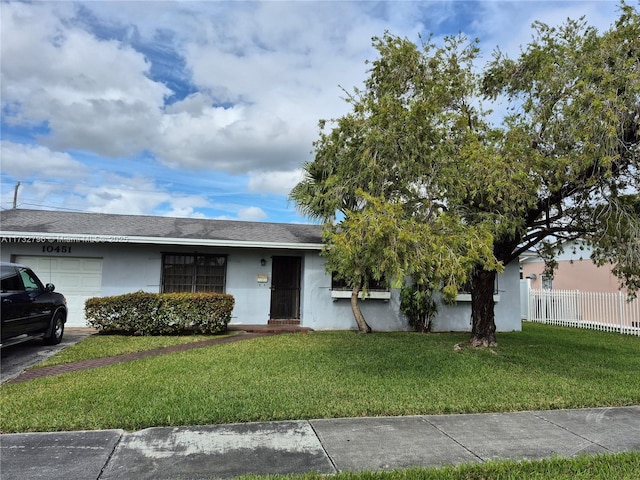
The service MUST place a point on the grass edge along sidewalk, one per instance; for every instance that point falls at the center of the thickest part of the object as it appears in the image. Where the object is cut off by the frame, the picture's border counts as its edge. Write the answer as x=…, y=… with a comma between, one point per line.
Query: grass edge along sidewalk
x=618, y=466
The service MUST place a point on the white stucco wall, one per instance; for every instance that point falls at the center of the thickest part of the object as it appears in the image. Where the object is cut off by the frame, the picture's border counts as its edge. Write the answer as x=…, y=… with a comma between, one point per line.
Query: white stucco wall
x=132, y=267
x=457, y=317
x=129, y=268
x=321, y=312
x=508, y=308
x=125, y=268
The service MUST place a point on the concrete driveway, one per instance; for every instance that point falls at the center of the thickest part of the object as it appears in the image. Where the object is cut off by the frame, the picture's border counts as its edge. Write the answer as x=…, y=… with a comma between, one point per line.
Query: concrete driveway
x=17, y=358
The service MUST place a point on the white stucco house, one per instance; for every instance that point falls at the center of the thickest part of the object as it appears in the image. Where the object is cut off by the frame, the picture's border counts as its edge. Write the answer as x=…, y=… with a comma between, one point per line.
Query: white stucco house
x=274, y=271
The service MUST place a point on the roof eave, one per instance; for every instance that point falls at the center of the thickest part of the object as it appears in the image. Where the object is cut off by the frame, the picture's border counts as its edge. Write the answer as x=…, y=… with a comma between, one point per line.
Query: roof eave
x=36, y=237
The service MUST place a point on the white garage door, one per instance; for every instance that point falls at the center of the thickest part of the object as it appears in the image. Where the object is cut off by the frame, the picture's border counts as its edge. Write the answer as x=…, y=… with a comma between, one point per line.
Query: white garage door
x=76, y=278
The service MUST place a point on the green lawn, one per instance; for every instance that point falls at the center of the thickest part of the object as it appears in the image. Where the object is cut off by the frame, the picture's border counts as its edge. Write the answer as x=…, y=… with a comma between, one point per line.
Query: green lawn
x=98, y=346
x=335, y=374
x=621, y=466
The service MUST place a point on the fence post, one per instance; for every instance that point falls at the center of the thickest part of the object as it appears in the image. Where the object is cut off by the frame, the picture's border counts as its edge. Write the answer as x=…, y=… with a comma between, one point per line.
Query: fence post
x=621, y=304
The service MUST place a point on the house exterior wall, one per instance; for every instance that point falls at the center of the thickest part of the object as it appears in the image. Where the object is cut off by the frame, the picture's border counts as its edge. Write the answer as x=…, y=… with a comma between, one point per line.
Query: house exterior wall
x=321, y=312
x=575, y=271
x=508, y=308
x=457, y=317
x=133, y=267
x=130, y=268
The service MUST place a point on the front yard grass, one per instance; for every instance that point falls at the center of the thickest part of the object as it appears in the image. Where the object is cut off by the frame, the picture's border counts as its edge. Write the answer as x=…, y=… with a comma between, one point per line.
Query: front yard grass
x=99, y=346
x=335, y=374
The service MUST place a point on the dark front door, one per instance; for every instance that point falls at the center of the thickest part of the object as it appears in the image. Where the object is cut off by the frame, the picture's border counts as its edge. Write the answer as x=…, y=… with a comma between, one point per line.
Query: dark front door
x=285, y=288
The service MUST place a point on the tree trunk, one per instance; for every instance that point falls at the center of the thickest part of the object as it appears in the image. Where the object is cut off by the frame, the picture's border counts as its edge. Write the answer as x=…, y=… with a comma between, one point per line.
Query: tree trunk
x=363, y=326
x=482, y=308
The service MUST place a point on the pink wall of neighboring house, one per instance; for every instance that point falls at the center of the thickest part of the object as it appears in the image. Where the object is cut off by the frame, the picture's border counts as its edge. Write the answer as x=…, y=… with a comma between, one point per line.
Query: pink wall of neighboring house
x=581, y=275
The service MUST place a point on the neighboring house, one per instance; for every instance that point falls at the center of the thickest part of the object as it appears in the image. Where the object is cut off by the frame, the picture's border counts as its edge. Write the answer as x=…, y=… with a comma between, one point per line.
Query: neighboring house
x=575, y=271
x=274, y=271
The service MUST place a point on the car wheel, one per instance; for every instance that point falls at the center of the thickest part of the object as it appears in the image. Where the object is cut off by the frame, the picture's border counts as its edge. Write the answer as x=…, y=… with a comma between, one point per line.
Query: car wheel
x=57, y=330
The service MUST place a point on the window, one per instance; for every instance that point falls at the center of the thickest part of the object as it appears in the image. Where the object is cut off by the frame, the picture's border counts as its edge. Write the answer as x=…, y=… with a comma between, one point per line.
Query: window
x=464, y=292
x=377, y=289
x=339, y=284
x=30, y=282
x=10, y=279
x=466, y=288
x=193, y=273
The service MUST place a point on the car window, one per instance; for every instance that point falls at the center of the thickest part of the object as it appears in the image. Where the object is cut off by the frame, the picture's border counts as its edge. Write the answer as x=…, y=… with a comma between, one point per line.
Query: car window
x=30, y=281
x=10, y=281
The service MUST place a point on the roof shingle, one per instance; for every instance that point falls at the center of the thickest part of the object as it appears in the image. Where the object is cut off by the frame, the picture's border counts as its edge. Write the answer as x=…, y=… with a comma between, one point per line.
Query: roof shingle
x=72, y=223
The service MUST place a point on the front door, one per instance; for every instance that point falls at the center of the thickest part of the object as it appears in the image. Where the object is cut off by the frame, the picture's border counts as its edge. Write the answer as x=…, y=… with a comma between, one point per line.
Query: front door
x=285, y=288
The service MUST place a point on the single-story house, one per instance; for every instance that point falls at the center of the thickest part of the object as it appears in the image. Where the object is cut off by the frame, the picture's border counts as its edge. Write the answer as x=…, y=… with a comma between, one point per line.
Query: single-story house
x=273, y=270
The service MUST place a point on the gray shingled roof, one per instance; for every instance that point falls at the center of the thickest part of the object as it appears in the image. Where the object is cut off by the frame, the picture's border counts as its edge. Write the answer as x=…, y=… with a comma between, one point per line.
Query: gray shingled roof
x=43, y=222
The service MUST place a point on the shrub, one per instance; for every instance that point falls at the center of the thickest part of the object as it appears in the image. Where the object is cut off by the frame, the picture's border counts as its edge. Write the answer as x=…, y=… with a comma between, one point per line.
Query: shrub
x=144, y=313
x=418, y=305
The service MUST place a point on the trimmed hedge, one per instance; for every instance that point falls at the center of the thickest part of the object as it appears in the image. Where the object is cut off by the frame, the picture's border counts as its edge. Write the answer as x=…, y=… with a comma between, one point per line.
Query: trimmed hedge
x=144, y=313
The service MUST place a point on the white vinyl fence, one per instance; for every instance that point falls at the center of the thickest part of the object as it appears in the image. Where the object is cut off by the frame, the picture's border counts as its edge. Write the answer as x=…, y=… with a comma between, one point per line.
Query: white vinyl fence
x=611, y=312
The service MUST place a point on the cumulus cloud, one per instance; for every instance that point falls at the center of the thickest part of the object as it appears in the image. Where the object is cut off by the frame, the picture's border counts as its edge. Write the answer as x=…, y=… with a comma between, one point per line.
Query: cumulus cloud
x=92, y=191
x=137, y=196
x=93, y=94
x=279, y=183
x=24, y=161
x=215, y=89
x=251, y=214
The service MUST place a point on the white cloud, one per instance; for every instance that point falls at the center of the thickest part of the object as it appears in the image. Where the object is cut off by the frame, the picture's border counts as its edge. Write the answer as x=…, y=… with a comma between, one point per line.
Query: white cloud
x=279, y=183
x=184, y=212
x=93, y=94
x=80, y=82
x=251, y=214
x=45, y=177
x=280, y=69
x=276, y=67
x=138, y=196
x=24, y=161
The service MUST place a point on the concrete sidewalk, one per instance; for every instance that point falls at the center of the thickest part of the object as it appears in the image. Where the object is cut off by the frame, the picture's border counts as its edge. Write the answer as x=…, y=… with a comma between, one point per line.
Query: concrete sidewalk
x=322, y=446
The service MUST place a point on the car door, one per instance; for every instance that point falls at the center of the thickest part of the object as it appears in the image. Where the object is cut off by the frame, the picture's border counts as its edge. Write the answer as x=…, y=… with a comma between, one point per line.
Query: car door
x=15, y=302
x=39, y=302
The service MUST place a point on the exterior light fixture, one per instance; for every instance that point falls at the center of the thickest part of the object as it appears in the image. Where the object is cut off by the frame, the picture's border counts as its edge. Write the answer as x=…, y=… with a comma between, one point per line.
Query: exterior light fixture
x=263, y=262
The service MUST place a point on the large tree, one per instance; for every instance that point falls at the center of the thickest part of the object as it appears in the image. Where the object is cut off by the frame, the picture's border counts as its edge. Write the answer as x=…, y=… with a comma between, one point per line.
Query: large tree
x=573, y=128
x=380, y=176
x=563, y=163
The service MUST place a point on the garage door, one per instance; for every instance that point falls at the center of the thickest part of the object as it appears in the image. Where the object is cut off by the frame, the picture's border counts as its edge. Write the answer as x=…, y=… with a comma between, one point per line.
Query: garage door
x=76, y=278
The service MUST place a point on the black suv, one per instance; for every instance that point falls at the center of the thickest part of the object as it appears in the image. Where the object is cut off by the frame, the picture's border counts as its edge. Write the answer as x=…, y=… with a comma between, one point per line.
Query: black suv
x=29, y=309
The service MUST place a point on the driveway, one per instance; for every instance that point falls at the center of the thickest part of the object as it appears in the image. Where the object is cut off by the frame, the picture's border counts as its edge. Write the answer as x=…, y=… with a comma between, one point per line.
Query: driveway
x=17, y=358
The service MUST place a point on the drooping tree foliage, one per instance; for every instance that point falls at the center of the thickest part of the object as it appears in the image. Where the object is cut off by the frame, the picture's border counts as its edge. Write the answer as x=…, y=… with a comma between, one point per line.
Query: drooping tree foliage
x=380, y=176
x=419, y=179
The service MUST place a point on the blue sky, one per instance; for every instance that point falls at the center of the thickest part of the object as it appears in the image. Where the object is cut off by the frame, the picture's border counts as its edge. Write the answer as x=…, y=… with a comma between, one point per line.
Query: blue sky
x=203, y=108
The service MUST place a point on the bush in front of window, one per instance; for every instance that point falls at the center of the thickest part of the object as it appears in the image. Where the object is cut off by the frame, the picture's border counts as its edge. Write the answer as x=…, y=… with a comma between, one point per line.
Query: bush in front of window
x=143, y=313
x=419, y=306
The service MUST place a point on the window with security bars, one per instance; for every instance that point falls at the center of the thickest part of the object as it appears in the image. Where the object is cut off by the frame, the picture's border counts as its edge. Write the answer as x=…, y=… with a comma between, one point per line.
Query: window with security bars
x=374, y=285
x=193, y=273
